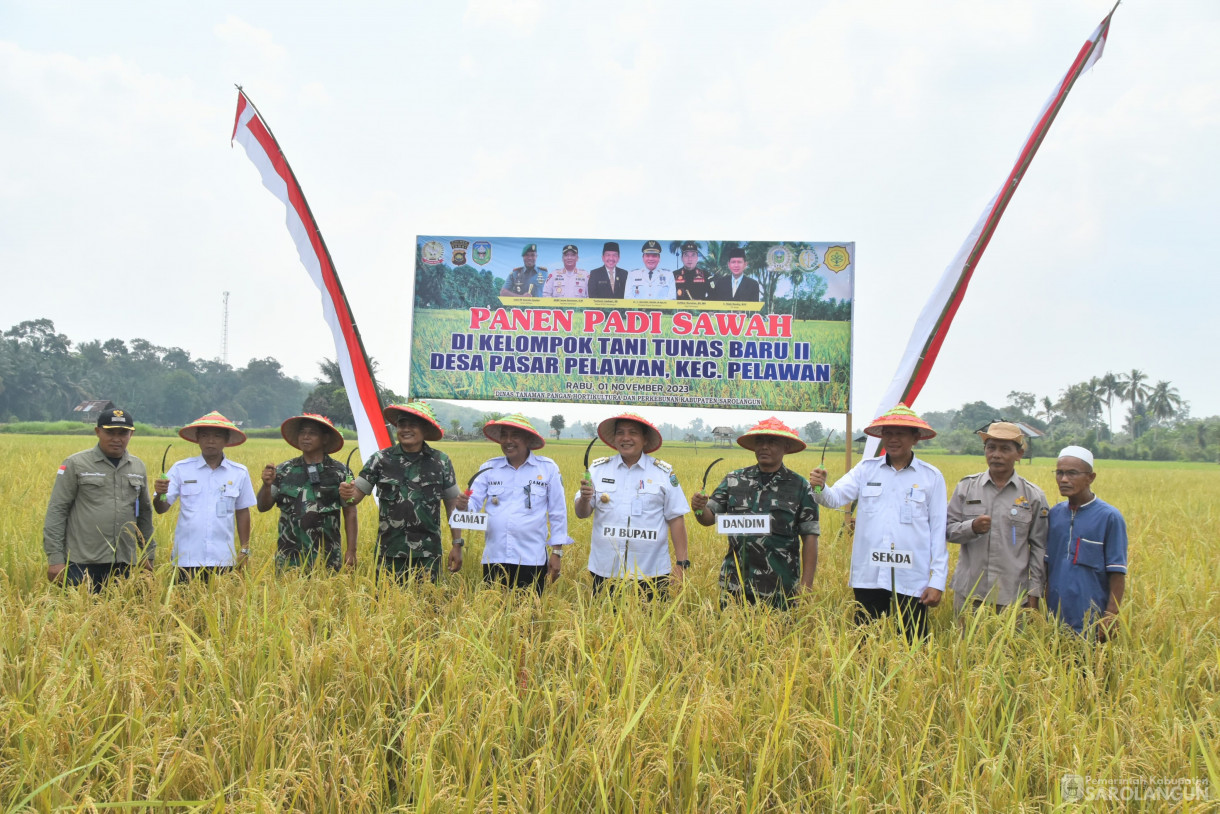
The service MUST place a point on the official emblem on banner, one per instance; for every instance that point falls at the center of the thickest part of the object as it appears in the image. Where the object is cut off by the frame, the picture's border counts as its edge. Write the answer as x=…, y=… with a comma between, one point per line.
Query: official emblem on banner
x=837, y=258
x=808, y=260
x=459, y=248
x=432, y=253
x=779, y=259
x=481, y=251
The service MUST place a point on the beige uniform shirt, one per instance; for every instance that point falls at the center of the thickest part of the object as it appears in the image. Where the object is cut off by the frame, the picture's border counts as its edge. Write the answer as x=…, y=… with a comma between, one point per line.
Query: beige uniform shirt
x=1007, y=562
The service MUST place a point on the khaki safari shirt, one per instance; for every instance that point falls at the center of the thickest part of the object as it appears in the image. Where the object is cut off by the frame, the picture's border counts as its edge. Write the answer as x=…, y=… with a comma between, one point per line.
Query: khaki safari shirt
x=99, y=513
x=1006, y=563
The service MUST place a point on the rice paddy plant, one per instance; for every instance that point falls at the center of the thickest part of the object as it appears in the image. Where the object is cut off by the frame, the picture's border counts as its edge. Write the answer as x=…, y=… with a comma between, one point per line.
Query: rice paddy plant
x=318, y=692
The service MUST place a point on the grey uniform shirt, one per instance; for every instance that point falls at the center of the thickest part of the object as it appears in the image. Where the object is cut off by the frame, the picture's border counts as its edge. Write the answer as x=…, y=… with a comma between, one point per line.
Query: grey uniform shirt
x=98, y=513
x=1006, y=563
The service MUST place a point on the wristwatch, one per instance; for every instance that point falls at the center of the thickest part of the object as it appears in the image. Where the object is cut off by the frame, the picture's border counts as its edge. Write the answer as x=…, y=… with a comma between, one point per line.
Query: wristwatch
x=245, y=552
x=557, y=551
x=683, y=564
x=458, y=541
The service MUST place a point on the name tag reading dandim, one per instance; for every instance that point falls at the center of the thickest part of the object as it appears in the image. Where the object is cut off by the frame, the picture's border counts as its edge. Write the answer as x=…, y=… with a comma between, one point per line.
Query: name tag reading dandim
x=475, y=521
x=628, y=534
x=899, y=559
x=743, y=524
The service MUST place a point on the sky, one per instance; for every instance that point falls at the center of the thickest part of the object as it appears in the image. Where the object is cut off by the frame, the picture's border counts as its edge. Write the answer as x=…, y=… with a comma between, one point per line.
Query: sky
x=124, y=212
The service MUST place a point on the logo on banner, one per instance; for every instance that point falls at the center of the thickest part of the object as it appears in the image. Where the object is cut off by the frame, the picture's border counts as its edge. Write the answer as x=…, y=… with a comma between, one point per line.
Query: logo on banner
x=459, y=251
x=837, y=258
x=808, y=260
x=779, y=259
x=481, y=250
x=432, y=252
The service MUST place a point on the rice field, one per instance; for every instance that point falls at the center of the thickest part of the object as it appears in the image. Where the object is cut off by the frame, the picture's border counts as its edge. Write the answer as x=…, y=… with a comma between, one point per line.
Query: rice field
x=331, y=693
x=829, y=344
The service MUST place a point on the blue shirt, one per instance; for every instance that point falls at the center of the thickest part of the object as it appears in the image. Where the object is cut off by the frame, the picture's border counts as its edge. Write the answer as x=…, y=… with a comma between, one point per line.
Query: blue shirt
x=1082, y=549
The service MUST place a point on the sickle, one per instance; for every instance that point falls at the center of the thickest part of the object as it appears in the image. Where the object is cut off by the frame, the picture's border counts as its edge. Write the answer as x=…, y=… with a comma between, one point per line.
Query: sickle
x=163, y=457
x=348, y=463
x=822, y=465
x=705, y=474
x=587, y=450
x=470, y=483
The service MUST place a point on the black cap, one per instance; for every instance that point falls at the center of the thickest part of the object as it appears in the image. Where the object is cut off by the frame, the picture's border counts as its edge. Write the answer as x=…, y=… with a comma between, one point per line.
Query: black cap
x=690, y=246
x=571, y=247
x=610, y=246
x=736, y=252
x=651, y=246
x=116, y=420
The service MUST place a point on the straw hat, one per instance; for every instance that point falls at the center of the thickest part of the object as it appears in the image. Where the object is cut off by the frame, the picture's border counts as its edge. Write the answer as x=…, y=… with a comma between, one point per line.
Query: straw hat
x=900, y=416
x=492, y=429
x=292, y=427
x=215, y=420
x=416, y=409
x=652, y=436
x=1003, y=431
x=774, y=427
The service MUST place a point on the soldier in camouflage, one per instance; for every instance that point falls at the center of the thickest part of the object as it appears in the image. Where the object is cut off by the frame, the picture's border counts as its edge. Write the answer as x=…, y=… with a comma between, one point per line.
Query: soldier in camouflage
x=774, y=567
x=306, y=489
x=412, y=479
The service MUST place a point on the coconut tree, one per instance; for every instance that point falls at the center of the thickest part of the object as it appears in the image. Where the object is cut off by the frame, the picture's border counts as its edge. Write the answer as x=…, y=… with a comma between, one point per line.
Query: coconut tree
x=1164, y=402
x=1111, y=387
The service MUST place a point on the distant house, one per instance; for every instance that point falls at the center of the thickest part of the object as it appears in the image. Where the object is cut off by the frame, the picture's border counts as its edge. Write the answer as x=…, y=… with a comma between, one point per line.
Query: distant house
x=723, y=436
x=88, y=411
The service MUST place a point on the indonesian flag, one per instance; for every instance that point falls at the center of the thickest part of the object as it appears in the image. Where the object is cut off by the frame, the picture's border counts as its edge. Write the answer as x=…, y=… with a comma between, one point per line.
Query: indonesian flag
x=251, y=132
x=933, y=324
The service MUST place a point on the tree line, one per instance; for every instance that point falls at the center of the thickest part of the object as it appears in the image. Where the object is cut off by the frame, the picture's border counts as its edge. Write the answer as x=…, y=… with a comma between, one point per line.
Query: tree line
x=44, y=375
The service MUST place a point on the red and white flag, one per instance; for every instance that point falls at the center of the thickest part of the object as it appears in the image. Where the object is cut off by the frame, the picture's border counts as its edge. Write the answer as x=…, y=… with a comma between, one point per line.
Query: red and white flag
x=933, y=324
x=251, y=132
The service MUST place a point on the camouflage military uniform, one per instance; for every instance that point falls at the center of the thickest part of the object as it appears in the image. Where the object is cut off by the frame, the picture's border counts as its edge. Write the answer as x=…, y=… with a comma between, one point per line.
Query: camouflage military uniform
x=410, y=487
x=770, y=565
x=311, y=514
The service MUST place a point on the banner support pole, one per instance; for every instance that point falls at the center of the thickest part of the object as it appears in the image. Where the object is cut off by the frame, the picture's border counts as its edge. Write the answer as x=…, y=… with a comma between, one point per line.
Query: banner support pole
x=847, y=450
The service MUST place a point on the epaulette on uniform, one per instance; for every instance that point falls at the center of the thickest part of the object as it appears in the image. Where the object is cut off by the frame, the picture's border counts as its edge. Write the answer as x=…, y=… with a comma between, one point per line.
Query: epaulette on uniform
x=664, y=466
x=600, y=461
x=543, y=458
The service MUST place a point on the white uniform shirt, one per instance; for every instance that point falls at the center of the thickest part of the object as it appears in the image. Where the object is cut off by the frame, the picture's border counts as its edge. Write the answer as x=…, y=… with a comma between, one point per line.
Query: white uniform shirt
x=899, y=510
x=644, y=498
x=659, y=286
x=210, y=498
x=526, y=510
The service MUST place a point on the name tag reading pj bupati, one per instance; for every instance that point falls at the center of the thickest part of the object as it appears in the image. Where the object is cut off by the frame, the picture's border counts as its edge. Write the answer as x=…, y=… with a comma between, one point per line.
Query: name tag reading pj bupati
x=895, y=558
x=743, y=524
x=628, y=534
x=475, y=521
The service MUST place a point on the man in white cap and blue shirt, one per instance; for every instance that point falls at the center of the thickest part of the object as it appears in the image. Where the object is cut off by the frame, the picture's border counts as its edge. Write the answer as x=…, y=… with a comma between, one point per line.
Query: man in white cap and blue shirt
x=1086, y=550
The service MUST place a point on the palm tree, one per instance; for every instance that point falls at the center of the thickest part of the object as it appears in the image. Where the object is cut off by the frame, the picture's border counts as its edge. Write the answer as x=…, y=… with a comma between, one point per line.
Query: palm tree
x=1134, y=389
x=1164, y=401
x=1047, y=413
x=1111, y=386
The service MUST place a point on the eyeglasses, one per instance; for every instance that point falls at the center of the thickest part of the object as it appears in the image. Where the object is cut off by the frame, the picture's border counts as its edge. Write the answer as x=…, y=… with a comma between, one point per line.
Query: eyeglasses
x=1069, y=473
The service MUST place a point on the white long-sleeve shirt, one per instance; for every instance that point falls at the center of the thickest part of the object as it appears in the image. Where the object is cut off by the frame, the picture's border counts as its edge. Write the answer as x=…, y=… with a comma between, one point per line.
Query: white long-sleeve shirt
x=526, y=510
x=210, y=499
x=901, y=512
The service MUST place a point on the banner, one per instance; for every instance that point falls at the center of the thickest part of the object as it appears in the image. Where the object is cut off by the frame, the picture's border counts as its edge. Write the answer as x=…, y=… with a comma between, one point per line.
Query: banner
x=683, y=323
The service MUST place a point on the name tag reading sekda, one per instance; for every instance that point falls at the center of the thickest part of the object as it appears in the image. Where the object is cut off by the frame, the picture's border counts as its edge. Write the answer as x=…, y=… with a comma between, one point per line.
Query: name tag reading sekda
x=898, y=558
x=743, y=524
x=629, y=534
x=475, y=521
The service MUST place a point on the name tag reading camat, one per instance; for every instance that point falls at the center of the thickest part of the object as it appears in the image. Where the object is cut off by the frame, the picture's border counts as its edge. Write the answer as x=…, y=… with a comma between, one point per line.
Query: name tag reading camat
x=743, y=524
x=475, y=521
x=628, y=534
